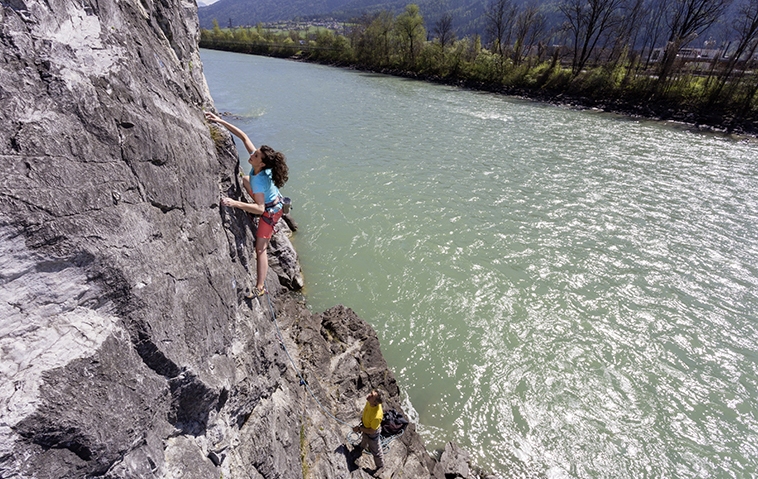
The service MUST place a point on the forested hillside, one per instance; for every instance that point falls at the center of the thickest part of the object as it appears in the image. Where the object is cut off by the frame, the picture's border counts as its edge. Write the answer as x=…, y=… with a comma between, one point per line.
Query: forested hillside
x=251, y=12
x=467, y=14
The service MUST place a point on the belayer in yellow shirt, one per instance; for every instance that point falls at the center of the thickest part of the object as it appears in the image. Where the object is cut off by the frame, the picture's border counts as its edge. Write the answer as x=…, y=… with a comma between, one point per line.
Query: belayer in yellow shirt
x=370, y=427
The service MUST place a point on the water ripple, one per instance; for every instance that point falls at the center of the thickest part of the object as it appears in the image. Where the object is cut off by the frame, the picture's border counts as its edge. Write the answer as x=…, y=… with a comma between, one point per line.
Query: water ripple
x=565, y=294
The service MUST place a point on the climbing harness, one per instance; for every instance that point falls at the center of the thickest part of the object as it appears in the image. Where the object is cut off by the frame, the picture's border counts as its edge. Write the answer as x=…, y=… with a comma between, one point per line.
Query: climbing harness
x=274, y=205
x=271, y=210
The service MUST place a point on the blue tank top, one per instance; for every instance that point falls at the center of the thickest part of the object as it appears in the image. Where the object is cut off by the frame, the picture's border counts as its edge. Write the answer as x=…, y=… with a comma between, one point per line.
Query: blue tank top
x=263, y=183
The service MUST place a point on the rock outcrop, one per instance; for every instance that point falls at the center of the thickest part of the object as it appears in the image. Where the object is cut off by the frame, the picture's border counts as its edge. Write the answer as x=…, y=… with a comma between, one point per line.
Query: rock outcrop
x=128, y=346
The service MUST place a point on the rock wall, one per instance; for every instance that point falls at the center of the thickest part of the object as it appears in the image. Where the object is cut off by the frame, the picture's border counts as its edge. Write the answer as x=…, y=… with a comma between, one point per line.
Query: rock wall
x=128, y=346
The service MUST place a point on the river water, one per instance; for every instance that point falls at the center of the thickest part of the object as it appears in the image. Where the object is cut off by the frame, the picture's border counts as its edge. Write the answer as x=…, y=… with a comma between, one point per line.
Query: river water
x=563, y=293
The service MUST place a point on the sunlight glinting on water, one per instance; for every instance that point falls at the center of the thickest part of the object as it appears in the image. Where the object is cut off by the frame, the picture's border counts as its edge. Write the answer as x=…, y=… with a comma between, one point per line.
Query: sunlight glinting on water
x=563, y=293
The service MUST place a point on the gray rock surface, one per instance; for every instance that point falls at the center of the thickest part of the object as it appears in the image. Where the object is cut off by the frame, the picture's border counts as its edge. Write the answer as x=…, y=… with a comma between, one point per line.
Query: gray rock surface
x=128, y=348
x=453, y=462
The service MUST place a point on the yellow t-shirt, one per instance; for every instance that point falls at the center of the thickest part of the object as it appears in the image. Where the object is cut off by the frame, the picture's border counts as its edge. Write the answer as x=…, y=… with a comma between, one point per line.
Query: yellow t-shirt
x=372, y=416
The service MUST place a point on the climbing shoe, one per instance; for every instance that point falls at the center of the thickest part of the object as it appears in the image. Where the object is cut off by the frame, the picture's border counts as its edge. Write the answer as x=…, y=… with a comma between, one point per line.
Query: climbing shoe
x=256, y=293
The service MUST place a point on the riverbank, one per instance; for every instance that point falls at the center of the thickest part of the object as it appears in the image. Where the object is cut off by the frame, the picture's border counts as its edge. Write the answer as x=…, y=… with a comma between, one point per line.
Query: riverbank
x=650, y=109
x=551, y=84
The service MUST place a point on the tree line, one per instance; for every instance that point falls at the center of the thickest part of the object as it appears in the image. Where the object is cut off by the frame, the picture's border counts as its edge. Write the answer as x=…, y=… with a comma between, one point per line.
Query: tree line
x=637, y=55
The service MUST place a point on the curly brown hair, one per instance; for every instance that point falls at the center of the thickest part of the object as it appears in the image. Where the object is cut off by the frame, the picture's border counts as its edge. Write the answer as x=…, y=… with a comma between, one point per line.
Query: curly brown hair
x=277, y=163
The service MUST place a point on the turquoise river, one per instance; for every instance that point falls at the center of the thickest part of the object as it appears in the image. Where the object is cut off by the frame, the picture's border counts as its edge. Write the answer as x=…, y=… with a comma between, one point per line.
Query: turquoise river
x=566, y=294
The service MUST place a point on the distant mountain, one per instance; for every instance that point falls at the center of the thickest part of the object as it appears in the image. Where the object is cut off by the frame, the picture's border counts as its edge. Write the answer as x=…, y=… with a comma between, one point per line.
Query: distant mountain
x=466, y=13
x=251, y=12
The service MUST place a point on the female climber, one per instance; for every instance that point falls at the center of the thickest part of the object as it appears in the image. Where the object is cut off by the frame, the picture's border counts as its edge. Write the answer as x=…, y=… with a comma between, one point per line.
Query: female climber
x=269, y=173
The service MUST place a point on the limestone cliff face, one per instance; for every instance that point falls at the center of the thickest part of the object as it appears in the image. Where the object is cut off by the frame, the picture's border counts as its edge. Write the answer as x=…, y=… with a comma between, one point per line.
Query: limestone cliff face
x=127, y=346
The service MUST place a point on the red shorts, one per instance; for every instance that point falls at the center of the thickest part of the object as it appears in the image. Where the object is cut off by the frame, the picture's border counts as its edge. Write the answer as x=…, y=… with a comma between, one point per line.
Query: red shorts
x=267, y=223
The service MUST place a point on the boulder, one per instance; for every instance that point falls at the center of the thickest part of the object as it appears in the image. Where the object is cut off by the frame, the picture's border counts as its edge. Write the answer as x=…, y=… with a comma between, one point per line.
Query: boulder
x=453, y=463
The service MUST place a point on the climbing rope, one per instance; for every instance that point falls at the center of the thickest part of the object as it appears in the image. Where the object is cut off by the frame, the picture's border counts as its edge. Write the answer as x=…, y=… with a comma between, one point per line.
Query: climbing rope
x=352, y=437
x=303, y=382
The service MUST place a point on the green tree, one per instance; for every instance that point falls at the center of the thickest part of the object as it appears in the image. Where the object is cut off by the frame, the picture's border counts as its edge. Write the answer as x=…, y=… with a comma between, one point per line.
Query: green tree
x=217, y=33
x=342, y=50
x=382, y=27
x=411, y=33
x=371, y=38
x=324, y=39
x=241, y=35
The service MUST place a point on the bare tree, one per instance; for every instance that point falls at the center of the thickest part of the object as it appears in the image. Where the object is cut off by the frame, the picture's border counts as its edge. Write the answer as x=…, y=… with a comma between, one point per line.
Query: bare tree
x=653, y=30
x=687, y=19
x=624, y=35
x=530, y=25
x=499, y=16
x=588, y=21
x=745, y=28
x=443, y=29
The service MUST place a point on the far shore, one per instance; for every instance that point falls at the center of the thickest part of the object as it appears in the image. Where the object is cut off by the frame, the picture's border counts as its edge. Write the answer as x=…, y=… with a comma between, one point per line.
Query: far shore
x=737, y=129
x=743, y=130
